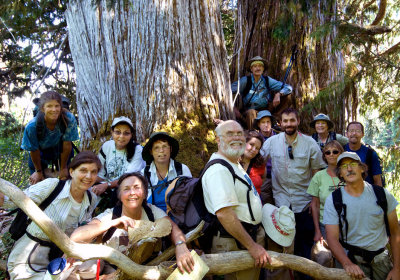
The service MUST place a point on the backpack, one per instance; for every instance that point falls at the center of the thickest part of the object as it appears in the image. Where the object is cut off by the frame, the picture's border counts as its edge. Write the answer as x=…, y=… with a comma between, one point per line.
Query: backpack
x=185, y=204
x=178, y=168
x=21, y=222
x=368, y=162
x=117, y=212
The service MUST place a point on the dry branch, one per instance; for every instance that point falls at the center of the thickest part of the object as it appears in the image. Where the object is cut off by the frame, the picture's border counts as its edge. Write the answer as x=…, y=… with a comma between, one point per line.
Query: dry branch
x=219, y=263
x=381, y=12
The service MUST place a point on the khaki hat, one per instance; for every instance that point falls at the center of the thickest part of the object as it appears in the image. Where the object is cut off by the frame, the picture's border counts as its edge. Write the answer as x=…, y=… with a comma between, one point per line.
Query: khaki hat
x=351, y=155
x=256, y=58
x=279, y=224
x=122, y=120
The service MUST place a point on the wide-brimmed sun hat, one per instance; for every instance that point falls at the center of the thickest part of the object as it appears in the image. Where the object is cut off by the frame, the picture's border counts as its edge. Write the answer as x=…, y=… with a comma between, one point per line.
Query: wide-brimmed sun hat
x=263, y=114
x=256, y=58
x=322, y=117
x=146, y=153
x=350, y=155
x=122, y=120
x=279, y=224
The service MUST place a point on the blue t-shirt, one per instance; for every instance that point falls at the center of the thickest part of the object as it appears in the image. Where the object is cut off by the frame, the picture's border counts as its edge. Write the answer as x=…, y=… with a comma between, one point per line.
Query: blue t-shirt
x=51, y=137
x=375, y=168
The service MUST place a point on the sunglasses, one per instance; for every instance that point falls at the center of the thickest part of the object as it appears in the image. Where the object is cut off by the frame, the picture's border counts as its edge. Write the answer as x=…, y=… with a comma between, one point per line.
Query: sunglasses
x=290, y=151
x=328, y=153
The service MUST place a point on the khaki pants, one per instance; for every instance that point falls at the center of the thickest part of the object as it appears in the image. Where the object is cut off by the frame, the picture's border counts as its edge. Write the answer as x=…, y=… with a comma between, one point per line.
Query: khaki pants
x=222, y=245
x=17, y=262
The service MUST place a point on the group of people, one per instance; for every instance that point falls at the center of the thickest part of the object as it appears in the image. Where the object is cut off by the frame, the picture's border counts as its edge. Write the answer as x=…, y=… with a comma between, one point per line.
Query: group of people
x=287, y=190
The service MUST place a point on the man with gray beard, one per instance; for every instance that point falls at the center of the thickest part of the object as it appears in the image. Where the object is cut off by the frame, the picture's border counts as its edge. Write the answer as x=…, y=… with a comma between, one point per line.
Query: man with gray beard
x=235, y=201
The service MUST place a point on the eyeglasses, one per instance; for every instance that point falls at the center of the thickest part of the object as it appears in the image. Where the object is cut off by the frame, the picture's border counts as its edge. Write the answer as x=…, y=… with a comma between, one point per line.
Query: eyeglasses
x=358, y=131
x=232, y=134
x=290, y=151
x=125, y=133
x=346, y=165
x=328, y=153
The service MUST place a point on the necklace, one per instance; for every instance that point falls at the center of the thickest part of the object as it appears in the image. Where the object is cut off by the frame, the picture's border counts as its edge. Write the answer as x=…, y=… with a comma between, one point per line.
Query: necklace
x=333, y=181
x=159, y=174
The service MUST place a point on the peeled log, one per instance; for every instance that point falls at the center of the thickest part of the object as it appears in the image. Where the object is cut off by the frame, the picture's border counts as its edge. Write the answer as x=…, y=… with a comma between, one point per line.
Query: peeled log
x=222, y=263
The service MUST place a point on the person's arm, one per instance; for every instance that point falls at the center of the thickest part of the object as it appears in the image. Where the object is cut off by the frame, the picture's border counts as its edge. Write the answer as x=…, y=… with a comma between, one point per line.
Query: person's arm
x=87, y=233
x=377, y=180
x=232, y=225
x=315, y=214
x=36, y=176
x=66, y=151
x=332, y=236
x=184, y=259
x=394, y=244
x=101, y=188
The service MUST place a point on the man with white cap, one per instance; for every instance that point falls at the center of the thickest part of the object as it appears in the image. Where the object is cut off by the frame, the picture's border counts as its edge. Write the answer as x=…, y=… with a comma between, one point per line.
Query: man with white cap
x=256, y=91
x=367, y=218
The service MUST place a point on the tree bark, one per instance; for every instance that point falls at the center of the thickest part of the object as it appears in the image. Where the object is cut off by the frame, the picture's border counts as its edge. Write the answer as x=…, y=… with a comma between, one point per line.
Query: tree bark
x=157, y=62
x=270, y=29
x=219, y=263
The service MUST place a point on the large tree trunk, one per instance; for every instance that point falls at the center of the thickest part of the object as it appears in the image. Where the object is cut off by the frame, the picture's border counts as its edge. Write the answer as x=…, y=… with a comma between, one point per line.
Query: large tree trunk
x=270, y=28
x=157, y=62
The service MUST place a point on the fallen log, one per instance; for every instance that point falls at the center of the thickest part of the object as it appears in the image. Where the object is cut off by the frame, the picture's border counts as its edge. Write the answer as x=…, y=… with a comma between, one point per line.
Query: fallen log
x=222, y=263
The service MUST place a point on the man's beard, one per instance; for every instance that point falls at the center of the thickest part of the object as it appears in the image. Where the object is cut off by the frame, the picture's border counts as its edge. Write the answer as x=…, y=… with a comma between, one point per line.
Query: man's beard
x=291, y=132
x=231, y=152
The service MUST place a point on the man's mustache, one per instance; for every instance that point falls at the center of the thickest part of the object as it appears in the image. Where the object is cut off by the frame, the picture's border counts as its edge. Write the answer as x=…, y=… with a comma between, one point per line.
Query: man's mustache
x=350, y=173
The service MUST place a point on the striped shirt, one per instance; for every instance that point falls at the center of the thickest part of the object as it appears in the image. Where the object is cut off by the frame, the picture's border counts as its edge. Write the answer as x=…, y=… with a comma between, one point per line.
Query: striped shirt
x=59, y=210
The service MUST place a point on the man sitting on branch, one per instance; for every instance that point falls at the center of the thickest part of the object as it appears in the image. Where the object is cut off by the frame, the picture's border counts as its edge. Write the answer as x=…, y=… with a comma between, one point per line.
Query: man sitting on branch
x=259, y=92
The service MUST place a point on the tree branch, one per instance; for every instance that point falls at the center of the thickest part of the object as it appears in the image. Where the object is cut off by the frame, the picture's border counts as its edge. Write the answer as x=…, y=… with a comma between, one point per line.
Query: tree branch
x=381, y=12
x=219, y=263
x=392, y=50
x=363, y=30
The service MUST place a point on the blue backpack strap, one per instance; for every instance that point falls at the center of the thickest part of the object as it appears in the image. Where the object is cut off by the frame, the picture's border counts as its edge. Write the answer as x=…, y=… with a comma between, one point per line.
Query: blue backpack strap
x=332, y=135
x=382, y=202
x=234, y=175
x=315, y=136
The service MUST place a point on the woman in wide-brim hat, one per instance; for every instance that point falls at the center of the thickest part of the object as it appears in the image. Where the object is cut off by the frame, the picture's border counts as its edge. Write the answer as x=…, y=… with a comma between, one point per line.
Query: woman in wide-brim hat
x=161, y=167
x=323, y=131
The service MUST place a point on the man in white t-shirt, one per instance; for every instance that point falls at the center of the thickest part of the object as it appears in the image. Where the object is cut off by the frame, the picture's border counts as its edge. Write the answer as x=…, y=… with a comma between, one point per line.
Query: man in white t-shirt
x=236, y=203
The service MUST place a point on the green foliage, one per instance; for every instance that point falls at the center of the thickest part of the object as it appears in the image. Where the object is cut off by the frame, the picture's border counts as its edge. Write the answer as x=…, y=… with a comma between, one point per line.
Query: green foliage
x=228, y=25
x=31, y=32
